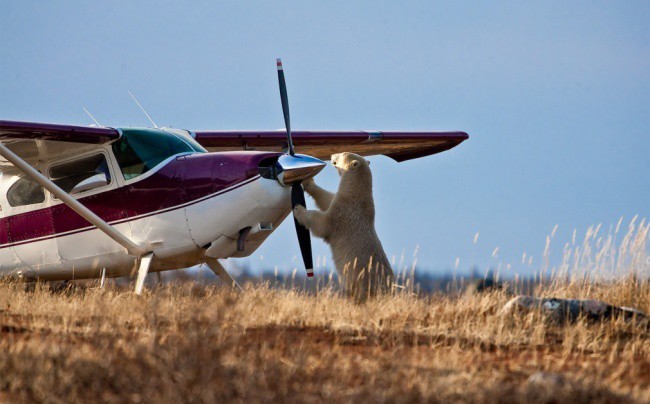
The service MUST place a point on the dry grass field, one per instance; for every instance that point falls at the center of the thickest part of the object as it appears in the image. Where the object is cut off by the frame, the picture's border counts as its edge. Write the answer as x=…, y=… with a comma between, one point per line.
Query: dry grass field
x=183, y=342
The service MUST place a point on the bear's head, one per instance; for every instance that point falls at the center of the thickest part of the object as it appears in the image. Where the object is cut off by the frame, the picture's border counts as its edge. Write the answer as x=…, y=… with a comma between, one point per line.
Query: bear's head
x=356, y=178
x=349, y=163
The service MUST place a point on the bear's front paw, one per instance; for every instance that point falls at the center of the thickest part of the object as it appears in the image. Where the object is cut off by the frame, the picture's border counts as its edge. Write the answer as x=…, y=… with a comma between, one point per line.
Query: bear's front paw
x=300, y=213
x=308, y=184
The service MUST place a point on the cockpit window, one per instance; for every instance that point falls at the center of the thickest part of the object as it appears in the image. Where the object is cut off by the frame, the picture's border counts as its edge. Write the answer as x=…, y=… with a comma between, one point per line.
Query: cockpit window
x=140, y=150
x=25, y=192
x=82, y=175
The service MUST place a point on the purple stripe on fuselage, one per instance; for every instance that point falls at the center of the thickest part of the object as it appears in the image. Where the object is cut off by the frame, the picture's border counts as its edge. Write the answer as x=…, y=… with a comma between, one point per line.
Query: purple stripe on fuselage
x=181, y=181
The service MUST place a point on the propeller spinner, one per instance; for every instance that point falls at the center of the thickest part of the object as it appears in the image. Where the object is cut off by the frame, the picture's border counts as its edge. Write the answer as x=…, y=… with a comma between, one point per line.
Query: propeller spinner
x=295, y=169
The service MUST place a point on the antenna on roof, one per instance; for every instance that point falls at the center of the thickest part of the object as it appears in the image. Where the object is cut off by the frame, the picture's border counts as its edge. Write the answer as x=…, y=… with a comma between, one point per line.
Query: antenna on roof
x=93, y=118
x=145, y=112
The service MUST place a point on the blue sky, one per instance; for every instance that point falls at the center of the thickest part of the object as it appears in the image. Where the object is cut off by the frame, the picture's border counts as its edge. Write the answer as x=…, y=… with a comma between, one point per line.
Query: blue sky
x=555, y=97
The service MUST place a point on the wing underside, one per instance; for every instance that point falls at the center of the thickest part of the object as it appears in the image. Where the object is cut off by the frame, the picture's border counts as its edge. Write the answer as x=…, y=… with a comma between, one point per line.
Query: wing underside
x=399, y=146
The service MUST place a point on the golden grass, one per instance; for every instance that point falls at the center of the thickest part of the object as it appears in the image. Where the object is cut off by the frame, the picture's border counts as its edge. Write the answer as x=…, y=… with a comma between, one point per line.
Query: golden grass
x=188, y=343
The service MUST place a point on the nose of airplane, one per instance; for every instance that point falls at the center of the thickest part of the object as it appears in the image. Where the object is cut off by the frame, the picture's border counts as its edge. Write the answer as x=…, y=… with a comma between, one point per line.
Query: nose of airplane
x=298, y=167
x=290, y=169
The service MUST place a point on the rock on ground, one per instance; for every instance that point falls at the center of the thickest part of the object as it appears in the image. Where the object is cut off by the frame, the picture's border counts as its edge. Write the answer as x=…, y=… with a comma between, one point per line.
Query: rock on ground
x=562, y=310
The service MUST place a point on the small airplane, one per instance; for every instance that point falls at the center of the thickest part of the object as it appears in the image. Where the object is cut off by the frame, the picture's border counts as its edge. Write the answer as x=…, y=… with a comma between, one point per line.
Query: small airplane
x=94, y=202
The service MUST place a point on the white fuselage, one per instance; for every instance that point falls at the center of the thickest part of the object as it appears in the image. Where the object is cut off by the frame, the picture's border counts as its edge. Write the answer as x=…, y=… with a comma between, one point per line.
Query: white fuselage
x=179, y=235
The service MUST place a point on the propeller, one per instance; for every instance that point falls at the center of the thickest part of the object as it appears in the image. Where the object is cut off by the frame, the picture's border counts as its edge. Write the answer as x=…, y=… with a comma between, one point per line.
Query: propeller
x=297, y=192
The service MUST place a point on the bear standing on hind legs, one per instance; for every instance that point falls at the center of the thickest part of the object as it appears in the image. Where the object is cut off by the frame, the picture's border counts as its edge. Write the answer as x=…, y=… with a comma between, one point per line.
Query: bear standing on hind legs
x=346, y=221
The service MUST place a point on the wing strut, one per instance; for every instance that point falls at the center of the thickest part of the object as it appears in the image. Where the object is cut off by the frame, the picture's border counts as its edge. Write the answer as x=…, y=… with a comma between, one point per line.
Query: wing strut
x=221, y=272
x=143, y=270
x=133, y=249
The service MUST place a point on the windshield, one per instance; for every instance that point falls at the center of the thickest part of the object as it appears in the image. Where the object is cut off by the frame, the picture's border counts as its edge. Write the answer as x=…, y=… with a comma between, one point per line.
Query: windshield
x=140, y=150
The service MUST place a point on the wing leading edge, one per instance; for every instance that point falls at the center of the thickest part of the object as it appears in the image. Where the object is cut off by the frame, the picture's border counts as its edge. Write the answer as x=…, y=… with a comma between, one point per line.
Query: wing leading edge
x=400, y=146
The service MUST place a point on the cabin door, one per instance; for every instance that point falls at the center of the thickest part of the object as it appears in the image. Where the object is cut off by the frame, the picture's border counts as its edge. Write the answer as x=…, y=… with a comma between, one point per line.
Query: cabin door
x=91, y=180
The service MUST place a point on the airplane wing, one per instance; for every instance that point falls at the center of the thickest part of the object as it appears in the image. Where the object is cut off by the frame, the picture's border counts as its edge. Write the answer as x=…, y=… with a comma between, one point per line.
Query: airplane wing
x=43, y=141
x=399, y=146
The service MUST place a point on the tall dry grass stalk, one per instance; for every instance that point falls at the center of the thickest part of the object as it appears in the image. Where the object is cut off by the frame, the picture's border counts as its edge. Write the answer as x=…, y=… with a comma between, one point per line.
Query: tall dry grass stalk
x=601, y=259
x=182, y=342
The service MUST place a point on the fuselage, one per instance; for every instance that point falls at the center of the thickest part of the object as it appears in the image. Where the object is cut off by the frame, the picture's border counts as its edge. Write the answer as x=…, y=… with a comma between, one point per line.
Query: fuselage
x=157, y=187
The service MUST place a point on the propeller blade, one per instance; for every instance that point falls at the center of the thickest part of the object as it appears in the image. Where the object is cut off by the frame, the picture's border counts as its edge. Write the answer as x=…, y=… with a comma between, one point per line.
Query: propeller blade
x=285, y=105
x=295, y=169
x=298, y=197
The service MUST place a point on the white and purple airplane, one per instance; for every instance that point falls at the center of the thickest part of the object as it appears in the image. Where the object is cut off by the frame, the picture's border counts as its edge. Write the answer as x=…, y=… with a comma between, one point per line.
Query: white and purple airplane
x=95, y=202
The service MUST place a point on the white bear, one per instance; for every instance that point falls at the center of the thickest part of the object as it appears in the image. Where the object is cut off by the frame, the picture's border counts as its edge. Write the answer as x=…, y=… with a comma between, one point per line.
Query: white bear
x=346, y=221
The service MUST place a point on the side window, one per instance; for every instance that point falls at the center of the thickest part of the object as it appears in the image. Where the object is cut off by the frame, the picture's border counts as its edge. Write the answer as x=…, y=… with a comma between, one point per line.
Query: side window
x=82, y=175
x=25, y=192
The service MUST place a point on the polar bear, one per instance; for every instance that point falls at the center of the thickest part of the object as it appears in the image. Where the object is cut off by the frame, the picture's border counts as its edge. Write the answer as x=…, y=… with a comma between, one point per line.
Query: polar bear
x=346, y=221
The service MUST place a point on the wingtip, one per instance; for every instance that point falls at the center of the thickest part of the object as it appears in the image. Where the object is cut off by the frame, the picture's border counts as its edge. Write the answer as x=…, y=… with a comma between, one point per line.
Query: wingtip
x=279, y=63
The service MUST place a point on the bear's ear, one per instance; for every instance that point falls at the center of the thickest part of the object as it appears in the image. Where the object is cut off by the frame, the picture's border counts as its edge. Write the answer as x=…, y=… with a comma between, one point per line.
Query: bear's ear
x=367, y=161
x=355, y=163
